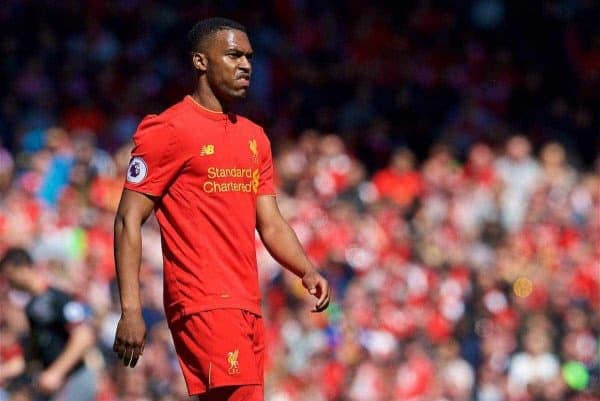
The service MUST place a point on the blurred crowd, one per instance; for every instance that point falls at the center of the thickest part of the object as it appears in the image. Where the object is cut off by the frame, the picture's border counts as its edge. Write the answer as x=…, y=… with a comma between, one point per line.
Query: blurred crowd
x=438, y=161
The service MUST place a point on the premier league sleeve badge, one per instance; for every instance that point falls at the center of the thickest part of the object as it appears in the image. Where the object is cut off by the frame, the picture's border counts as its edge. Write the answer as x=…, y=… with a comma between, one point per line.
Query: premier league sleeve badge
x=137, y=170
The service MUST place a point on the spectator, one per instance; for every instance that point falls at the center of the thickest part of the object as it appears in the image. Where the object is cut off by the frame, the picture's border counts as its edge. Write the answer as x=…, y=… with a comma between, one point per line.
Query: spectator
x=520, y=174
x=399, y=182
x=493, y=236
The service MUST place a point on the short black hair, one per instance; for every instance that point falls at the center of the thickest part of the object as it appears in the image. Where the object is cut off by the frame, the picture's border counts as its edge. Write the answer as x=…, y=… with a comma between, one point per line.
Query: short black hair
x=207, y=27
x=16, y=256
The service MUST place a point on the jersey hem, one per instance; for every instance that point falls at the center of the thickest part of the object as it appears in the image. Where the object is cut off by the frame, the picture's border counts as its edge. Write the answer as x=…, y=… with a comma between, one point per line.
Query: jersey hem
x=140, y=190
x=198, y=390
x=175, y=312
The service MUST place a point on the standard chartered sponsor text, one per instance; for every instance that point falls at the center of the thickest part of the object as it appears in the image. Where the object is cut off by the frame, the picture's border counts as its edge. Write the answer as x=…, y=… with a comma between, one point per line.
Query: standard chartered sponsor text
x=215, y=172
x=215, y=182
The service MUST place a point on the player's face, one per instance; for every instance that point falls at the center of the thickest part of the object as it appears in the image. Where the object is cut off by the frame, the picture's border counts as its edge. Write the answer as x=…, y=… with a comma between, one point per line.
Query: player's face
x=17, y=277
x=229, y=67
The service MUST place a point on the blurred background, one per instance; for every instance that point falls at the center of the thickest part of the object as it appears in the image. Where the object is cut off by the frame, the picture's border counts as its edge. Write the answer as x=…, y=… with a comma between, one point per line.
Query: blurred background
x=439, y=160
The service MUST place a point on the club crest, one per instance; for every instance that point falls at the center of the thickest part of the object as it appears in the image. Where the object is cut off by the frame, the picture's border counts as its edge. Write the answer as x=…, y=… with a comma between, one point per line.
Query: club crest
x=232, y=358
x=254, y=149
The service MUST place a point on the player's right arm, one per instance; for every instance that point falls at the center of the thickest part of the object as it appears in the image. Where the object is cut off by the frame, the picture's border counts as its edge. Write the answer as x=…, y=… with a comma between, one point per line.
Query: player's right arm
x=156, y=159
x=134, y=209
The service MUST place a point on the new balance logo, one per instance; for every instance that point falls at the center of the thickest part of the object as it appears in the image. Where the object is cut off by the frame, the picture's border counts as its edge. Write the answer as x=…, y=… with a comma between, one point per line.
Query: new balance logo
x=207, y=150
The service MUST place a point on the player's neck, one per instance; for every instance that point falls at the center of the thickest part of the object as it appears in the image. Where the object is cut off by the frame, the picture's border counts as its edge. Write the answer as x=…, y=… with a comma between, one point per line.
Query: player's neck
x=207, y=100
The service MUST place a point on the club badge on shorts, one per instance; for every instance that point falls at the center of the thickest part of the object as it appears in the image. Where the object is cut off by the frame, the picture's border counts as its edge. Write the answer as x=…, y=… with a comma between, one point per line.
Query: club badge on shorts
x=137, y=170
x=232, y=358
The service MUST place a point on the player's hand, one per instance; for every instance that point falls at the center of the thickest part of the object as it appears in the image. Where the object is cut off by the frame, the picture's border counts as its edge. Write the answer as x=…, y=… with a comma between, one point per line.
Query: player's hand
x=317, y=286
x=130, y=338
x=50, y=381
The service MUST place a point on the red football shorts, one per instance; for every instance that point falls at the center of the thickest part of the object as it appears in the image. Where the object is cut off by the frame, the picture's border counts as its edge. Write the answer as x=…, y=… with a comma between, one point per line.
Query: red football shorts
x=219, y=348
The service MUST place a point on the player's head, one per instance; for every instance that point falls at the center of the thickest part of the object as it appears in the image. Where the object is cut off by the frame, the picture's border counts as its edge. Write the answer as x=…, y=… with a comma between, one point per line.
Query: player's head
x=17, y=266
x=221, y=53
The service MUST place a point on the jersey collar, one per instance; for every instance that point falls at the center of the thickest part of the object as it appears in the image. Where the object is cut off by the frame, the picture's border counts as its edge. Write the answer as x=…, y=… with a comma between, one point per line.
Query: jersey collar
x=212, y=115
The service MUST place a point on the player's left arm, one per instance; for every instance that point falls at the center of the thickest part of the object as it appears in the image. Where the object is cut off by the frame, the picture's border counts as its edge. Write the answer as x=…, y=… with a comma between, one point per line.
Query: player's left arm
x=282, y=243
x=81, y=338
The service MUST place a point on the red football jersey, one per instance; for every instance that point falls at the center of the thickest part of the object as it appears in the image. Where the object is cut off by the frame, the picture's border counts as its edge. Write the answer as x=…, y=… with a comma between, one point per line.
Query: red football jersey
x=206, y=169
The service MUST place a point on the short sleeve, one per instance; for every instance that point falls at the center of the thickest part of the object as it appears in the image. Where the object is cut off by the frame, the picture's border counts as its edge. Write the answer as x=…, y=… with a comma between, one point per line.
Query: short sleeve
x=266, y=185
x=69, y=312
x=155, y=159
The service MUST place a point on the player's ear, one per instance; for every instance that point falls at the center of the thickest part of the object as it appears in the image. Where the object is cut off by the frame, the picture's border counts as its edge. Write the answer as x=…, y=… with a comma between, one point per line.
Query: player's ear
x=200, y=61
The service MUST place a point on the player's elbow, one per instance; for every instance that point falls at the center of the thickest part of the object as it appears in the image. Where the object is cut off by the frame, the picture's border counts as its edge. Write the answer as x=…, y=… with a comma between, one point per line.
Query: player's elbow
x=127, y=220
x=273, y=230
x=119, y=222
